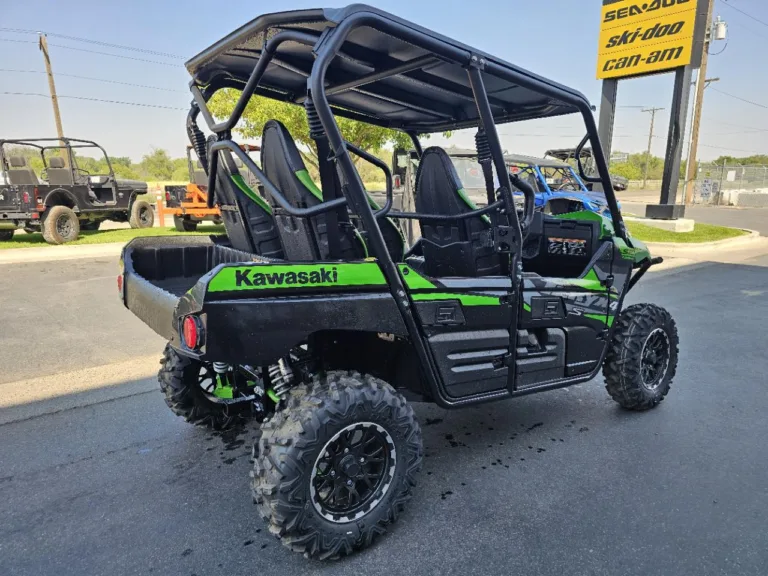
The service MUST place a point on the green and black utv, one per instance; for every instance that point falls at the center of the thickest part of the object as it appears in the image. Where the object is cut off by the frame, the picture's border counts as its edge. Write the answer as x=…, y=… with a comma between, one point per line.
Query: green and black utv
x=317, y=321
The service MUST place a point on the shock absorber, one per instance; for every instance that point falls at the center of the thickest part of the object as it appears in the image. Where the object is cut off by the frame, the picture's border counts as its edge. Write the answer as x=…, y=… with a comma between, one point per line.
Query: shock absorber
x=220, y=367
x=196, y=137
x=316, y=130
x=281, y=376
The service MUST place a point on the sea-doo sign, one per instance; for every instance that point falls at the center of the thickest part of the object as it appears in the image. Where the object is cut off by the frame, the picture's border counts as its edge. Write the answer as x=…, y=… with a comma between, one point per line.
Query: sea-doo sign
x=645, y=36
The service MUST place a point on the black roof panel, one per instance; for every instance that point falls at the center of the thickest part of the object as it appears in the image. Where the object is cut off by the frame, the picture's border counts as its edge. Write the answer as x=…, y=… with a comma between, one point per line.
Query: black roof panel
x=437, y=97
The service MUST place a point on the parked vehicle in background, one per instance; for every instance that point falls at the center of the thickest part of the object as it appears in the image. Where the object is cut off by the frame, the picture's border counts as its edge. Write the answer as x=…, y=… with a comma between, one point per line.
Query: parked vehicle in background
x=588, y=162
x=187, y=204
x=63, y=199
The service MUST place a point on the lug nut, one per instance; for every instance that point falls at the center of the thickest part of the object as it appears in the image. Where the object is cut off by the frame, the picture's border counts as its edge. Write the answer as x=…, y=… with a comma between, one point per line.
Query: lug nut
x=362, y=460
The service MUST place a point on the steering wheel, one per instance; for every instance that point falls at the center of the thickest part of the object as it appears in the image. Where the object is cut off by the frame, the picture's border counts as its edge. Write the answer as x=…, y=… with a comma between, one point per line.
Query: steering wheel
x=530, y=201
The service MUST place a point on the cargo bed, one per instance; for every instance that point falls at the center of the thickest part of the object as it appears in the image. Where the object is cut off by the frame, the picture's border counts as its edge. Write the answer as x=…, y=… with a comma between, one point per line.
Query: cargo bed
x=159, y=271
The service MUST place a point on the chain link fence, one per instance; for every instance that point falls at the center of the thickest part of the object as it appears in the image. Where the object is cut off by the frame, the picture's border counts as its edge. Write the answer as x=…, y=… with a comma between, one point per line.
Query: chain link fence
x=731, y=185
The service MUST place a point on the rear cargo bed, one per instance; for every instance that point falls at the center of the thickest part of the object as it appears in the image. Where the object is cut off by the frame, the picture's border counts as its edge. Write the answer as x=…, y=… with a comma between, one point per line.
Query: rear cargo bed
x=158, y=271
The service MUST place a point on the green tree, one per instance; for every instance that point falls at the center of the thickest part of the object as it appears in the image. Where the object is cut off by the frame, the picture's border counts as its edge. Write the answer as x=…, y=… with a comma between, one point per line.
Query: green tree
x=157, y=165
x=261, y=109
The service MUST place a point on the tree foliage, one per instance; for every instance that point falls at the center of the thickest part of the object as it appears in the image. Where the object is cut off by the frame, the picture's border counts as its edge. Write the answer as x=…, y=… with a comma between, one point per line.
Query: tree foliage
x=260, y=110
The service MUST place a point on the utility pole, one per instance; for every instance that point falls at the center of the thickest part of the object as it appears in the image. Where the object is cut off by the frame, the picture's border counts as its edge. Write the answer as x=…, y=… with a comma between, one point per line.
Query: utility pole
x=52, y=88
x=701, y=84
x=650, y=141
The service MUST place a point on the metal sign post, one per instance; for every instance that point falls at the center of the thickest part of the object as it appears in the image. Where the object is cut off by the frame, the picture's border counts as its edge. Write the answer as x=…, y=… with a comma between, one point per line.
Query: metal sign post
x=639, y=38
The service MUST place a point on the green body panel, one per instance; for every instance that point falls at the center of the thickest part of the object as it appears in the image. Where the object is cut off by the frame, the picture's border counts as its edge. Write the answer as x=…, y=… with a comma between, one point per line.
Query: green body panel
x=309, y=184
x=637, y=253
x=413, y=280
x=245, y=189
x=296, y=276
x=606, y=225
x=465, y=299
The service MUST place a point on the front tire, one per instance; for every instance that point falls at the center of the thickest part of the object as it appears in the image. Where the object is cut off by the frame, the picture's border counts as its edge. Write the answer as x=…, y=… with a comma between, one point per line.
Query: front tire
x=142, y=215
x=182, y=381
x=337, y=464
x=61, y=225
x=642, y=358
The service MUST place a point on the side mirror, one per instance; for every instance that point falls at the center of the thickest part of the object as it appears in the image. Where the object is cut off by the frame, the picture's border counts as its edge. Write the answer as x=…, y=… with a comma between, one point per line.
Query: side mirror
x=397, y=181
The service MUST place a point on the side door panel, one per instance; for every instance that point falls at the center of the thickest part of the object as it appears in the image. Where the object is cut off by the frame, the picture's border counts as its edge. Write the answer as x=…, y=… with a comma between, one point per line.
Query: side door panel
x=468, y=324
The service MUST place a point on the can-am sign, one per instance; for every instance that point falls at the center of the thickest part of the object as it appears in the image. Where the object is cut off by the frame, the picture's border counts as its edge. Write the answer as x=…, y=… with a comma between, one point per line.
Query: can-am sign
x=645, y=36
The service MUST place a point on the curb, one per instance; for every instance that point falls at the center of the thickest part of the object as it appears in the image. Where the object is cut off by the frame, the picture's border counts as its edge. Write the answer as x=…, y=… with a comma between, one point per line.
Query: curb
x=693, y=248
x=56, y=253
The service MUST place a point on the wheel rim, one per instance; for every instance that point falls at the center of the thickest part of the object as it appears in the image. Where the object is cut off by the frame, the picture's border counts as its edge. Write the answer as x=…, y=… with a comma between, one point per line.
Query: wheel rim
x=353, y=472
x=64, y=226
x=144, y=216
x=654, y=359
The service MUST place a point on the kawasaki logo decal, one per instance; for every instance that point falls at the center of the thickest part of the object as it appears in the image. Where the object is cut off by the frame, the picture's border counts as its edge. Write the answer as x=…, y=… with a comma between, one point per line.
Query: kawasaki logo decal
x=321, y=276
x=274, y=276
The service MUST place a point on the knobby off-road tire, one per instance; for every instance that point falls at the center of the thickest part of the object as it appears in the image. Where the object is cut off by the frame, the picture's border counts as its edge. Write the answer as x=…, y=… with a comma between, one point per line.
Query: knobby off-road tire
x=60, y=225
x=642, y=357
x=184, y=225
x=6, y=235
x=305, y=431
x=179, y=378
x=142, y=215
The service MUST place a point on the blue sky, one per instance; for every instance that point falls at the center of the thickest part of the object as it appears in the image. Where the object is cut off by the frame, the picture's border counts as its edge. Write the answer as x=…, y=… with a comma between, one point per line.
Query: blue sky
x=556, y=38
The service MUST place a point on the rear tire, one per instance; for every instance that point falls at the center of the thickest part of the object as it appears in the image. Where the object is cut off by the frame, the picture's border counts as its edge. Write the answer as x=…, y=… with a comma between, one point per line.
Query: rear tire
x=184, y=225
x=179, y=378
x=642, y=358
x=142, y=215
x=61, y=225
x=6, y=235
x=301, y=470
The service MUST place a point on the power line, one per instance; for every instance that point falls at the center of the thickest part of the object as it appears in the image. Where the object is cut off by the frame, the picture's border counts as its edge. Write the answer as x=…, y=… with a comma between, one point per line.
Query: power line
x=114, y=55
x=90, y=41
x=738, y=98
x=93, y=100
x=95, y=80
x=747, y=14
x=93, y=52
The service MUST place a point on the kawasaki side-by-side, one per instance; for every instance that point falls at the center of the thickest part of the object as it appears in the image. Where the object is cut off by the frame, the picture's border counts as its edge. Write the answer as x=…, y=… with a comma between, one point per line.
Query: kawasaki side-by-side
x=316, y=320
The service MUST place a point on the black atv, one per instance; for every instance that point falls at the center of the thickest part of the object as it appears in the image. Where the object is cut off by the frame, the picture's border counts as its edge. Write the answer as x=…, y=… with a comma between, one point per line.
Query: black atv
x=318, y=328
x=64, y=199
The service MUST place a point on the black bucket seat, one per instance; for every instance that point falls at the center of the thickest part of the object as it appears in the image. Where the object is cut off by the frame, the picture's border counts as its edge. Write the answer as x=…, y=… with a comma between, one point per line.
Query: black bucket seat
x=460, y=247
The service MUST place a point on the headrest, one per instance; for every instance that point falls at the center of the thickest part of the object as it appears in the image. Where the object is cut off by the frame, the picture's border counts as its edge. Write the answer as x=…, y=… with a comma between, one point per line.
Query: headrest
x=277, y=140
x=56, y=162
x=17, y=161
x=436, y=169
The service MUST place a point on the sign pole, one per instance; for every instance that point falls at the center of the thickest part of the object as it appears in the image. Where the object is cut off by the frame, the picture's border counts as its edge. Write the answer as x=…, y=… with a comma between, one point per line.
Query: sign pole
x=607, y=118
x=667, y=208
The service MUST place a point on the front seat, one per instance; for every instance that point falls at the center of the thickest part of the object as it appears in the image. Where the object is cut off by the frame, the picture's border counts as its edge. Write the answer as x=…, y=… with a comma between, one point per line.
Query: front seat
x=452, y=247
x=19, y=173
x=246, y=215
x=58, y=174
x=304, y=238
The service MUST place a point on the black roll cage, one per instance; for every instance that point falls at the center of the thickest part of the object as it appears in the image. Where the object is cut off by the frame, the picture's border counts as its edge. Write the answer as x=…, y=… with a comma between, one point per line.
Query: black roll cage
x=63, y=143
x=326, y=47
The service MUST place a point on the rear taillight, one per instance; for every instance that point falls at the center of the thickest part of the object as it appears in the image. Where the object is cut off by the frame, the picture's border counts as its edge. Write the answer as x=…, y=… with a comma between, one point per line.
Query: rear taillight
x=120, y=284
x=191, y=331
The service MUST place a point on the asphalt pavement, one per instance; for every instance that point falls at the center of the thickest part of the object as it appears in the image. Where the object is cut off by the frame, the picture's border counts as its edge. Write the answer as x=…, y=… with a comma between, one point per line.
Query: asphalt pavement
x=750, y=218
x=560, y=483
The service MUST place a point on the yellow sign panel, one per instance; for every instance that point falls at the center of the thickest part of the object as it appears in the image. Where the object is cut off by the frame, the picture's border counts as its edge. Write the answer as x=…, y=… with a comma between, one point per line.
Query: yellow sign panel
x=642, y=36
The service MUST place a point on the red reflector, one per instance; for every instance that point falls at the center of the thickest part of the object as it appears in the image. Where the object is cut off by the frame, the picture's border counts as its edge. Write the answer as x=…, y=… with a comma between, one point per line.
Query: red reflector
x=189, y=332
x=120, y=283
x=167, y=196
x=35, y=215
x=25, y=197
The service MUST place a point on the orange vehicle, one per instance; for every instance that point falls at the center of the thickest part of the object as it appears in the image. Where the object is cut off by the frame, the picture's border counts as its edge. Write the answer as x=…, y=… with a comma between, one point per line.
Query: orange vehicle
x=187, y=204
